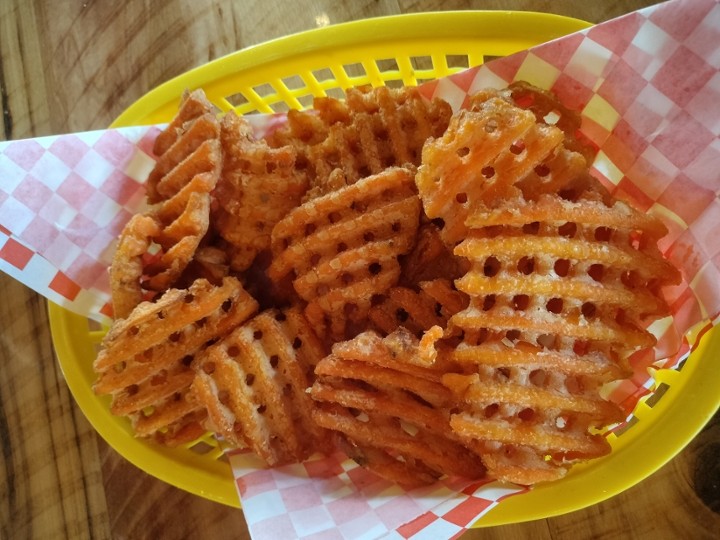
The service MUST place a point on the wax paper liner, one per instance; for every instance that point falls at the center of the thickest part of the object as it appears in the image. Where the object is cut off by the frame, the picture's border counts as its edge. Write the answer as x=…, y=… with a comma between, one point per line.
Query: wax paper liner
x=63, y=201
x=333, y=498
x=648, y=85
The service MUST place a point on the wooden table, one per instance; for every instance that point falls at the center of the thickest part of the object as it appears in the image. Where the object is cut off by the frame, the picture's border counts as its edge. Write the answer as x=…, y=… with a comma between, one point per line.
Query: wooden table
x=73, y=66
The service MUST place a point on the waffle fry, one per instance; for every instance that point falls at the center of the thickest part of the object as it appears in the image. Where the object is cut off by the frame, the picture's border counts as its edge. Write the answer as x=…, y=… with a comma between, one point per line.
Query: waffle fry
x=607, y=256
x=343, y=248
x=530, y=434
x=145, y=362
x=471, y=339
x=494, y=153
x=175, y=230
x=187, y=148
x=210, y=263
x=258, y=186
x=253, y=384
x=561, y=291
x=179, y=237
x=126, y=269
x=548, y=109
x=417, y=311
x=305, y=129
x=374, y=129
x=154, y=249
x=390, y=411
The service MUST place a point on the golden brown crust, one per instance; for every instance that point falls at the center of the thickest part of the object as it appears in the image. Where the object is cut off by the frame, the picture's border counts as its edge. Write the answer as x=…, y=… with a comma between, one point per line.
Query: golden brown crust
x=391, y=409
x=145, y=361
x=258, y=186
x=253, y=384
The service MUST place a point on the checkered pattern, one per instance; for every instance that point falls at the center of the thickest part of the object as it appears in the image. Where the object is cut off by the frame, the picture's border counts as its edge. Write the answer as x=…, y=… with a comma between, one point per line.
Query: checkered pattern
x=331, y=497
x=22, y=263
x=63, y=201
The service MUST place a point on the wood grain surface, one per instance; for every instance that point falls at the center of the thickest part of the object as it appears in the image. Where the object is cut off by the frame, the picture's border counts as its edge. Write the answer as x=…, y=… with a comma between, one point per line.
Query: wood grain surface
x=73, y=66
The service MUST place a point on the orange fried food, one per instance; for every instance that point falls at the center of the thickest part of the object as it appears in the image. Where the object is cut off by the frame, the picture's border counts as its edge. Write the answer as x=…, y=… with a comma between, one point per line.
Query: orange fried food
x=305, y=129
x=145, y=362
x=390, y=410
x=259, y=185
x=126, y=269
x=187, y=148
x=548, y=109
x=417, y=311
x=493, y=153
x=600, y=260
x=561, y=293
x=182, y=225
x=155, y=248
x=475, y=285
x=343, y=248
x=373, y=129
x=253, y=384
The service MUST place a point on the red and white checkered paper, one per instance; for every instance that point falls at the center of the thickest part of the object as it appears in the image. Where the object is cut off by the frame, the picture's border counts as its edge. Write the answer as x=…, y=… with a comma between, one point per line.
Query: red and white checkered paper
x=63, y=201
x=331, y=498
x=648, y=86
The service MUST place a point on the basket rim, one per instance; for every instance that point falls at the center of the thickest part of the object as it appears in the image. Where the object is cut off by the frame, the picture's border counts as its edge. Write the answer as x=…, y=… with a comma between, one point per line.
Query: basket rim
x=491, y=24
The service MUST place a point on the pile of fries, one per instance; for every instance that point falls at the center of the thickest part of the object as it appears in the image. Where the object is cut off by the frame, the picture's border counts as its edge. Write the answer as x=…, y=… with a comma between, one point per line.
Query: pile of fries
x=435, y=294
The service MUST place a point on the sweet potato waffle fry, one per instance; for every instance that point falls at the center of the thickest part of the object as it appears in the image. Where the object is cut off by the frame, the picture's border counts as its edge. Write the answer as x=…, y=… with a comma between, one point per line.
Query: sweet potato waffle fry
x=146, y=359
x=193, y=132
x=486, y=155
x=561, y=293
x=372, y=130
x=253, y=384
x=549, y=110
x=390, y=411
x=607, y=257
x=154, y=249
x=126, y=270
x=259, y=185
x=343, y=248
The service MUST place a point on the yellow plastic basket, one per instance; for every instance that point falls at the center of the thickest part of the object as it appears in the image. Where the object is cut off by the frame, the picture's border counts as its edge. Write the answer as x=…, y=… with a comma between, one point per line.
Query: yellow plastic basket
x=400, y=50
